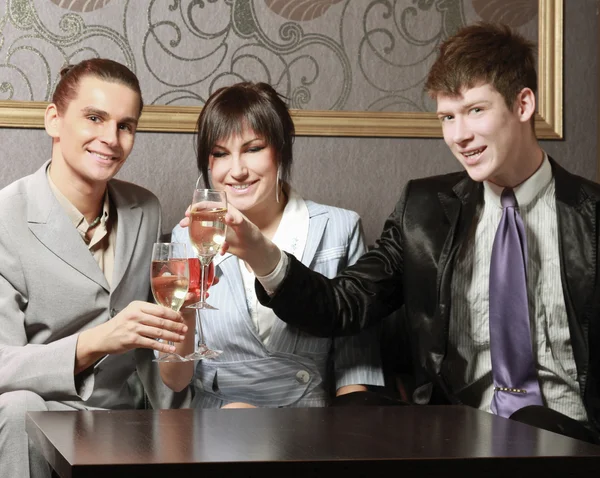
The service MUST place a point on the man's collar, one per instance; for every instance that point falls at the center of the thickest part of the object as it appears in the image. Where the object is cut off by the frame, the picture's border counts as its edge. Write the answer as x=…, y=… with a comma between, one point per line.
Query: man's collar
x=525, y=192
x=73, y=213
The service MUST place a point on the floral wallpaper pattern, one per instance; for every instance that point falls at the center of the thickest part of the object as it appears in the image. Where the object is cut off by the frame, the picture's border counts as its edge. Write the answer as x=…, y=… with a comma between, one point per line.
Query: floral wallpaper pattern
x=321, y=54
x=81, y=5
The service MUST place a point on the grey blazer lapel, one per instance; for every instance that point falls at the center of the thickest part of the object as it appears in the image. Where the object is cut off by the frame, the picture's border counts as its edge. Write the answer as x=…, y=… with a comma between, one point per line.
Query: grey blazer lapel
x=233, y=278
x=128, y=228
x=50, y=224
x=318, y=219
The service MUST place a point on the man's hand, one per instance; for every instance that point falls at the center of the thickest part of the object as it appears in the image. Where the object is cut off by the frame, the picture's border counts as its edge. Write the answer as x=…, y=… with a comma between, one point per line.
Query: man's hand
x=139, y=325
x=246, y=241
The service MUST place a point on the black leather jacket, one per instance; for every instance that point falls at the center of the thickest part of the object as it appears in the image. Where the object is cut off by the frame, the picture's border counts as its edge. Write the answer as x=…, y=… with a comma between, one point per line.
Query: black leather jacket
x=412, y=264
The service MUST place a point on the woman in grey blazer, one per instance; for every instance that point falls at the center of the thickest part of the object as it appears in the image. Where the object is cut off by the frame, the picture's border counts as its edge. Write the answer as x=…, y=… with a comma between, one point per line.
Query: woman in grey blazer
x=244, y=146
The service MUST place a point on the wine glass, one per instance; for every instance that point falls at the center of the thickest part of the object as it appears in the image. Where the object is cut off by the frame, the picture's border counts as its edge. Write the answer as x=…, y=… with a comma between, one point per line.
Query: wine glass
x=207, y=233
x=169, y=275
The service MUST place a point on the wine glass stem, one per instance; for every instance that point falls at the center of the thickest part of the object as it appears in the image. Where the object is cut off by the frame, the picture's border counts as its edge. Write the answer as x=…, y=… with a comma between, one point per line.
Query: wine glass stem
x=202, y=276
x=168, y=341
x=199, y=329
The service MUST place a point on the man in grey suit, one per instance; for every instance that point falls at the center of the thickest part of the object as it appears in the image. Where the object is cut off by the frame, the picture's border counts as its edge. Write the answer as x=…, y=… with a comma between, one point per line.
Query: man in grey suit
x=76, y=331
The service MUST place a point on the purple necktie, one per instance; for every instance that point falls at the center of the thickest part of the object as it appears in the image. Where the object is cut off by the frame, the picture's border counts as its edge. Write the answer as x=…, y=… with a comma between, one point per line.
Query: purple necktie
x=513, y=367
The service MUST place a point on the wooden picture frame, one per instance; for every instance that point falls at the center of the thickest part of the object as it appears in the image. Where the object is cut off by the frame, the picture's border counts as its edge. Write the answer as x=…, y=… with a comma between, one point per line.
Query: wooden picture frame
x=548, y=122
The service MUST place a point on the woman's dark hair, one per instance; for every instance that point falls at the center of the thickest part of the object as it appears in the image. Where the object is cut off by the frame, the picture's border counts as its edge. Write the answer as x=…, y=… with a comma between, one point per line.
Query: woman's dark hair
x=257, y=106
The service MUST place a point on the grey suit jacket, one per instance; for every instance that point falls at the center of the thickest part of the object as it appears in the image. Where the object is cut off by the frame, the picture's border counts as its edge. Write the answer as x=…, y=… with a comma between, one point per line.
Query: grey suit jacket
x=295, y=369
x=51, y=289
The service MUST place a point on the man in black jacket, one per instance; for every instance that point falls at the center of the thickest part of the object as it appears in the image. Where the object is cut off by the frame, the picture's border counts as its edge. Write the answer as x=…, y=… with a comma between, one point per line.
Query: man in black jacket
x=433, y=257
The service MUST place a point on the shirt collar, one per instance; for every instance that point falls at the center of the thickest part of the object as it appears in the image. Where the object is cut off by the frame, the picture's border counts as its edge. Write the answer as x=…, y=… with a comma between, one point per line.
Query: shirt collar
x=296, y=219
x=525, y=192
x=78, y=219
x=292, y=231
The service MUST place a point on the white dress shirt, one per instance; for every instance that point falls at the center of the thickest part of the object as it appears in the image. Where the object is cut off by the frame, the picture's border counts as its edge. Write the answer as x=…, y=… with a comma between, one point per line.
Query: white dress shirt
x=290, y=236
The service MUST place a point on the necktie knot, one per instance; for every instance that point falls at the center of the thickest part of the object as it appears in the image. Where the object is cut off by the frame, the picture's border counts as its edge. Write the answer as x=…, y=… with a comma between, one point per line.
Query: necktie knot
x=508, y=198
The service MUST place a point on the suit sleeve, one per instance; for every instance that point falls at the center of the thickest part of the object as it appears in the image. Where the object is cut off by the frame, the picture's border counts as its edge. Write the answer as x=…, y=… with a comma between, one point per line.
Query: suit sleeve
x=357, y=358
x=45, y=369
x=362, y=294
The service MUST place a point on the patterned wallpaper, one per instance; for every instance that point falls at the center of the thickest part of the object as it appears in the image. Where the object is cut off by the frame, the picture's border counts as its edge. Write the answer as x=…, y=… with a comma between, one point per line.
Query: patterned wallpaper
x=321, y=54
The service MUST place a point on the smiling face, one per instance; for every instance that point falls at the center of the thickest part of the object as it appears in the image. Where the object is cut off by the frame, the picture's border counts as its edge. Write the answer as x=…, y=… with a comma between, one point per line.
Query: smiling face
x=94, y=135
x=245, y=167
x=491, y=141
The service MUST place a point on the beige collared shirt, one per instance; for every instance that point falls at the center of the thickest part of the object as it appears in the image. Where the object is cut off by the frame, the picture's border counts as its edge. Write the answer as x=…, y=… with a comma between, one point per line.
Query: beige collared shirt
x=104, y=238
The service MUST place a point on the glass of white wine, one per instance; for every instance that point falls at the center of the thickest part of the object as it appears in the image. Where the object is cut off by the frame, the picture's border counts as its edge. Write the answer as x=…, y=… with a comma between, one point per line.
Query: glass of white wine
x=207, y=231
x=170, y=277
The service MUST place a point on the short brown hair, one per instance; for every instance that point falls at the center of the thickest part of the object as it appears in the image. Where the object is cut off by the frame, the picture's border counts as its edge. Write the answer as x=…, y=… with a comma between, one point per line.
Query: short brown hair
x=102, y=68
x=245, y=105
x=484, y=53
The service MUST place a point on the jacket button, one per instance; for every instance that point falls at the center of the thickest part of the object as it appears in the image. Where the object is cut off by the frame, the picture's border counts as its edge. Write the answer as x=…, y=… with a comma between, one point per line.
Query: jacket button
x=113, y=312
x=302, y=376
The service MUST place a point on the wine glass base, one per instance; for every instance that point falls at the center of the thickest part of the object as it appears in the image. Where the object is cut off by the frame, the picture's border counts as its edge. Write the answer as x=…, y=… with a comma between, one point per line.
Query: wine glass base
x=171, y=358
x=203, y=352
x=201, y=305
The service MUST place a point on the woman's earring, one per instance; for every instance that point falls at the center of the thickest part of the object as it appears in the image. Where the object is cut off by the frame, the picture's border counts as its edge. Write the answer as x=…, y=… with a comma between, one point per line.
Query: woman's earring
x=200, y=184
x=278, y=184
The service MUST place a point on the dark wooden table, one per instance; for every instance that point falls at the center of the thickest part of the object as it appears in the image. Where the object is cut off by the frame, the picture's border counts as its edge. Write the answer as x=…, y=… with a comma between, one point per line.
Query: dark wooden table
x=353, y=441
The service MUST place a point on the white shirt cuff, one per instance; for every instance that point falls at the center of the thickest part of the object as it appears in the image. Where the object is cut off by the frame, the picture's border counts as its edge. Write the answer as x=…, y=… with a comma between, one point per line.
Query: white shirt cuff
x=271, y=281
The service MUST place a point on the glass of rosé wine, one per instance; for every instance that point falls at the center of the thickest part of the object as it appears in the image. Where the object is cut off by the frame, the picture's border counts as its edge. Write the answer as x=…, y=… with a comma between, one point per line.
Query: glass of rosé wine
x=169, y=279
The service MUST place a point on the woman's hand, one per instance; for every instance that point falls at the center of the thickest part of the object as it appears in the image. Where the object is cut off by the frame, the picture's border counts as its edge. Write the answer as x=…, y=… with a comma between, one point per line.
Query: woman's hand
x=185, y=222
x=246, y=241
